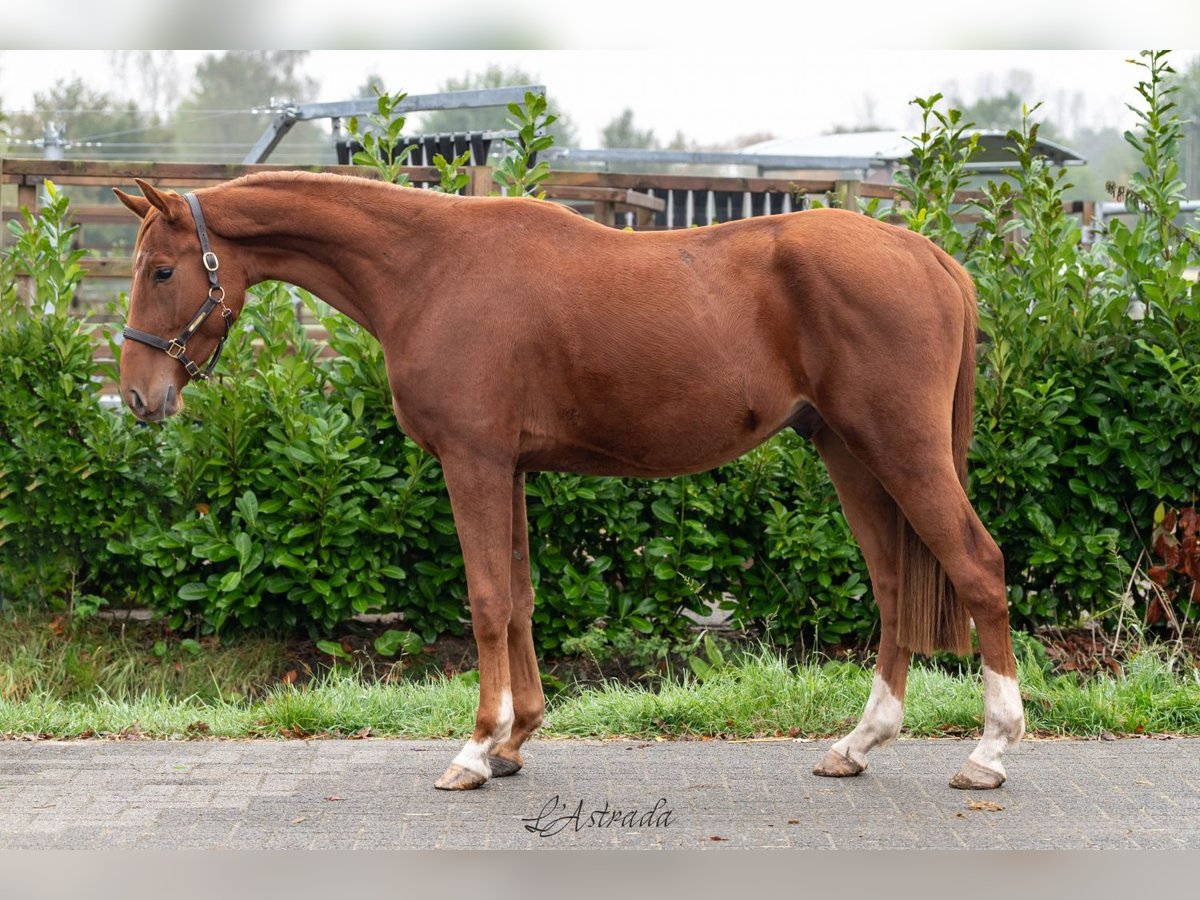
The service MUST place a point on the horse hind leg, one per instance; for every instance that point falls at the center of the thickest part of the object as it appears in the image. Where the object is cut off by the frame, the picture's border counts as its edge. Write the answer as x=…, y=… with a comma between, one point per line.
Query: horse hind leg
x=871, y=513
x=927, y=489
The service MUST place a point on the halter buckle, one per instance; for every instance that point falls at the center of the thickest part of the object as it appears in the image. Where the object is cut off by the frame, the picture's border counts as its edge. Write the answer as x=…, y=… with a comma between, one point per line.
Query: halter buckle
x=175, y=346
x=210, y=261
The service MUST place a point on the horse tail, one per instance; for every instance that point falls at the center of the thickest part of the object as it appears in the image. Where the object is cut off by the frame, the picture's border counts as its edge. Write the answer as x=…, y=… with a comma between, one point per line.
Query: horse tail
x=929, y=616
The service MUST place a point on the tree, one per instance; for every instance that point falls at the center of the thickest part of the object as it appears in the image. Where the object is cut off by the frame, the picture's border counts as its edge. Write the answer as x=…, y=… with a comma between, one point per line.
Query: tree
x=153, y=76
x=79, y=115
x=3, y=130
x=151, y=81
x=620, y=133
x=216, y=121
x=492, y=118
x=1109, y=158
x=998, y=112
x=1188, y=98
x=866, y=120
x=367, y=89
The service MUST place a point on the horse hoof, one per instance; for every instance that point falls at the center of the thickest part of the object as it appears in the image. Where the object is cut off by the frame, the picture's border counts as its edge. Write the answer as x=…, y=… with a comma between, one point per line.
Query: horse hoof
x=456, y=778
x=834, y=765
x=503, y=766
x=974, y=777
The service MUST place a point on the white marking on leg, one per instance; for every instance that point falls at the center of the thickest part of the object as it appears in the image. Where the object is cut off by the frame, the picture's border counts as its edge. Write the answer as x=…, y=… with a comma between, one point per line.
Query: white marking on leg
x=879, y=725
x=1004, y=720
x=474, y=754
x=504, y=719
x=474, y=757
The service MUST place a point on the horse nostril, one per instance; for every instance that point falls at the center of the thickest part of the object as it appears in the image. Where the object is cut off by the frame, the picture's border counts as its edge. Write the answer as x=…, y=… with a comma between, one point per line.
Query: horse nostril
x=169, y=403
x=135, y=403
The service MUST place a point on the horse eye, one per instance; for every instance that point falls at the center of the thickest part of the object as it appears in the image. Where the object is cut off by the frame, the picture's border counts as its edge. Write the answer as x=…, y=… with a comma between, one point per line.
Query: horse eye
x=163, y=273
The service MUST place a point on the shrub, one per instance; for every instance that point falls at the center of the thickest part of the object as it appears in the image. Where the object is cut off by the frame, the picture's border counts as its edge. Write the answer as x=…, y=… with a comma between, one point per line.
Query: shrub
x=73, y=476
x=287, y=497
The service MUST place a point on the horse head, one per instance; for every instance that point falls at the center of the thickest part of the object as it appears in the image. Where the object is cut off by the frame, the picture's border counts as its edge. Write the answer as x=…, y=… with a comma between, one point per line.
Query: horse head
x=174, y=294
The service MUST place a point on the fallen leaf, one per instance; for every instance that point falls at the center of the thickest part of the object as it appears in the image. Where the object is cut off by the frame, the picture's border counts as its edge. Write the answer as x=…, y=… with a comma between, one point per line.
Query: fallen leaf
x=334, y=799
x=1145, y=781
x=984, y=806
x=298, y=820
x=290, y=677
x=1155, y=611
x=198, y=728
x=364, y=732
x=793, y=821
x=716, y=838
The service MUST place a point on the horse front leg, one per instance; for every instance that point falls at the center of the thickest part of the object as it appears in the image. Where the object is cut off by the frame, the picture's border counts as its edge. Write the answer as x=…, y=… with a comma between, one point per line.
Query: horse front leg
x=481, y=495
x=529, y=703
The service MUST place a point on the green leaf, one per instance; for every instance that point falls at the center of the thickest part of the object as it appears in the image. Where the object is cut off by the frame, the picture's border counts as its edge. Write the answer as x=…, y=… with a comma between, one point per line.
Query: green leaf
x=196, y=590
x=241, y=542
x=664, y=511
x=392, y=642
x=334, y=649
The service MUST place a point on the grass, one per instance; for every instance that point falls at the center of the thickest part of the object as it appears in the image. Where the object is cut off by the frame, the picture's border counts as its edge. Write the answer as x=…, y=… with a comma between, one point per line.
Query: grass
x=78, y=661
x=758, y=694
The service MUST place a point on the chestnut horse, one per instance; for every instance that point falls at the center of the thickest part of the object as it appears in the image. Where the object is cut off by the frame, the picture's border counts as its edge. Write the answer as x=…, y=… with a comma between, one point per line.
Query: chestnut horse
x=521, y=337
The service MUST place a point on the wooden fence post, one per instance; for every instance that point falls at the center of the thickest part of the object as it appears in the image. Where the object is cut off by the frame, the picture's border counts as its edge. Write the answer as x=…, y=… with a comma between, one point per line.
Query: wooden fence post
x=846, y=191
x=604, y=213
x=482, y=184
x=27, y=198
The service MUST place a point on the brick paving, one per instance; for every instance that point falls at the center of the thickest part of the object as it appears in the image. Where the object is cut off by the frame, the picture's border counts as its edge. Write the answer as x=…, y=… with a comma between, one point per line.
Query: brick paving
x=378, y=794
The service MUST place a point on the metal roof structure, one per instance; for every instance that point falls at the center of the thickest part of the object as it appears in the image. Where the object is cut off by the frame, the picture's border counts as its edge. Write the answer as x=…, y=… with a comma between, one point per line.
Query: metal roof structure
x=882, y=148
x=860, y=152
x=288, y=114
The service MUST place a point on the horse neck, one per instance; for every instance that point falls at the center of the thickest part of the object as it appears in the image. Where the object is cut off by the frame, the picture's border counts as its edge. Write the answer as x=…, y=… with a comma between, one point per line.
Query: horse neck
x=313, y=233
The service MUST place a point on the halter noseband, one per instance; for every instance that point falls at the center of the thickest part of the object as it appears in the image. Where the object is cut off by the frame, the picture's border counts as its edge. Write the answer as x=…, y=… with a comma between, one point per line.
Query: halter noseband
x=216, y=297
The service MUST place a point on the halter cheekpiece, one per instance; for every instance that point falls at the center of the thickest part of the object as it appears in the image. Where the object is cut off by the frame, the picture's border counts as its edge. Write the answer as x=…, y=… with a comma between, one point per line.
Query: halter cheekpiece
x=175, y=348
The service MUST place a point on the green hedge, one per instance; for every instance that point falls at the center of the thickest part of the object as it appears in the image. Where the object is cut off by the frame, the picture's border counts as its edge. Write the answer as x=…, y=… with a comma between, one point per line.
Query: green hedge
x=285, y=497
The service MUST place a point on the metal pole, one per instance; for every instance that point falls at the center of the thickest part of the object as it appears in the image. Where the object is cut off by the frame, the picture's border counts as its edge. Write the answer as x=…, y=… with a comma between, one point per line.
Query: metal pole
x=52, y=141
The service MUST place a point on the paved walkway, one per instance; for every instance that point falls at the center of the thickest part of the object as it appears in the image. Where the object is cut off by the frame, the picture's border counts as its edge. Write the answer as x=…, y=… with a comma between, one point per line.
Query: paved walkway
x=378, y=794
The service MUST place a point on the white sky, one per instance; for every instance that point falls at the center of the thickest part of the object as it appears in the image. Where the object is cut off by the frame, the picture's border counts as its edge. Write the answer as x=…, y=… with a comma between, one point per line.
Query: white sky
x=713, y=70
x=710, y=96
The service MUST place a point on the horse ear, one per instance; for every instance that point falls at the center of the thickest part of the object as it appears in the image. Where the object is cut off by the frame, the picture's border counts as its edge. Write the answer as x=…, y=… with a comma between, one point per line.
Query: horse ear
x=139, y=205
x=163, y=202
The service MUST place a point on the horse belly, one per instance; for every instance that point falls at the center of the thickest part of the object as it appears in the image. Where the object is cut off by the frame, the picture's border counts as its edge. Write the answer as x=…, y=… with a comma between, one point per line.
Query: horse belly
x=653, y=440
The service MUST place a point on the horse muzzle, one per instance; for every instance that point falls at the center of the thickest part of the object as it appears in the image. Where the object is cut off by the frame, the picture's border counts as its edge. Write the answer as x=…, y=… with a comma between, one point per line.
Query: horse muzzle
x=154, y=406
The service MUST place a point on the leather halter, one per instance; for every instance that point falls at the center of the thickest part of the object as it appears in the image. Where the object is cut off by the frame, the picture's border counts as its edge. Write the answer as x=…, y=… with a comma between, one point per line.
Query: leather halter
x=174, y=348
